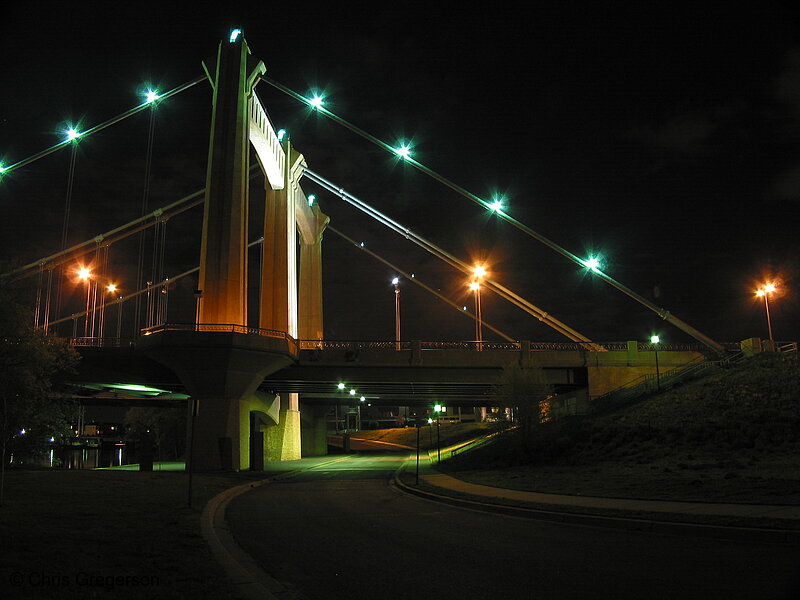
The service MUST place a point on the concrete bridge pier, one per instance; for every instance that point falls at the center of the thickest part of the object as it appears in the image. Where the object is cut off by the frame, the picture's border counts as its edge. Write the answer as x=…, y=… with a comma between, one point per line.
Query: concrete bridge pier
x=221, y=372
x=314, y=430
x=282, y=438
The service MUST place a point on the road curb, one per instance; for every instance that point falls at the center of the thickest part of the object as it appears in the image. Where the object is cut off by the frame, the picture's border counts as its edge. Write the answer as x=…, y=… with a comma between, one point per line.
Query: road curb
x=247, y=577
x=749, y=534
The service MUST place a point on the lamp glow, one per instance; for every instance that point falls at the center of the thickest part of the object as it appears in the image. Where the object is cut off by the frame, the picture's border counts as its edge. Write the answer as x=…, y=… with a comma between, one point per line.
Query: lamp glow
x=235, y=33
x=593, y=264
x=404, y=151
x=316, y=102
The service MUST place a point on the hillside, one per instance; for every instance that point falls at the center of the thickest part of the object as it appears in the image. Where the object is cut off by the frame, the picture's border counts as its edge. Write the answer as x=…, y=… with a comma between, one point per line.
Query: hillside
x=733, y=435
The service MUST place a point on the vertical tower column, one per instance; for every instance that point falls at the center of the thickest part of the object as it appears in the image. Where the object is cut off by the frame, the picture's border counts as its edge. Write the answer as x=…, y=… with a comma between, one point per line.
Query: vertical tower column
x=278, y=306
x=223, y=252
x=310, y=322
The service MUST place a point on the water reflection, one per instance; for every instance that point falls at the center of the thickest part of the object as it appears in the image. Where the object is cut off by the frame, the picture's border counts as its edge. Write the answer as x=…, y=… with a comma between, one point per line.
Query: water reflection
x=83, y=457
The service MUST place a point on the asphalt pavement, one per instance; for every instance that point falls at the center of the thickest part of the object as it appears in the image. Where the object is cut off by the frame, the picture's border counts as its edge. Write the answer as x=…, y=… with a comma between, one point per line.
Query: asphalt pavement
x=327, y=525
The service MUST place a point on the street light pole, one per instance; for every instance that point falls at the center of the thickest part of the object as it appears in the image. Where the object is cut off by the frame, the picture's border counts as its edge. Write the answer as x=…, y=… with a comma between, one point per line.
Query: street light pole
x=85, y=275
x=654, y=340
x=438, y=410
x=479, y=271
x=766, y=291
x=396, y=284
x=418, y=424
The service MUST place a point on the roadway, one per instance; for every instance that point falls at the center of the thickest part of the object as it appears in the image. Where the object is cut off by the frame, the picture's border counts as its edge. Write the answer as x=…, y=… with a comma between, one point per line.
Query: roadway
x=341, y=530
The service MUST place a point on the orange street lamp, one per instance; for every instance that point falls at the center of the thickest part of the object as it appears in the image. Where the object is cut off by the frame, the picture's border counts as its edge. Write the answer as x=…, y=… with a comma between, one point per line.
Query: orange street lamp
x=765, y=292
x=479, y=271
x=396, y=284
x=112, y=289
x=85, y=275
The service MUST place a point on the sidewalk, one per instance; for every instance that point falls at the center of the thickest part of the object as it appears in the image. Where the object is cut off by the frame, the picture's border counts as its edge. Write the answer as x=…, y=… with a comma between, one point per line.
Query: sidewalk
x=754, y=522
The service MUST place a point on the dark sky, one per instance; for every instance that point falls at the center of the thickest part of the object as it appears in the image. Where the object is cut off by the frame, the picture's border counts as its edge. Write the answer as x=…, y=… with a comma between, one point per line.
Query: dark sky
x=668, y=141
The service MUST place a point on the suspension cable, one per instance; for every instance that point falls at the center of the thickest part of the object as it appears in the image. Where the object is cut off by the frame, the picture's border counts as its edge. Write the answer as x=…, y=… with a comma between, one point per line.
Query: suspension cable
x=145, y=199
x=418, y=282
x=101, y=126
x=65, y=224
x=112, y=236
x=661, y=312
x=451, y=260
x=121, y=232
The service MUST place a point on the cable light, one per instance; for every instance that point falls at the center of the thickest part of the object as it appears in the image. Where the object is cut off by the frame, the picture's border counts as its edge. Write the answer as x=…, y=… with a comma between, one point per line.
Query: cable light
x=663, y=313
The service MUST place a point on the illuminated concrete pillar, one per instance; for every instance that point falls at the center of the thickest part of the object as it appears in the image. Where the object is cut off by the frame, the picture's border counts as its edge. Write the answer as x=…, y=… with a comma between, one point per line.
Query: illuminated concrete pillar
x=223, y=369
x=223, y=252
x=274, y=302
x=309, y=320
x=278, y=305
x=283, y=439
x=314, y=430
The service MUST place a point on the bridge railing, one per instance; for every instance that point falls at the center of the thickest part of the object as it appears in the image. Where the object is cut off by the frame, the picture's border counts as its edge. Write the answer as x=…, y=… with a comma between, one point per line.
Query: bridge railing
x=100, y=342
x=653, y=382
x=224, y=328
x=482, y=345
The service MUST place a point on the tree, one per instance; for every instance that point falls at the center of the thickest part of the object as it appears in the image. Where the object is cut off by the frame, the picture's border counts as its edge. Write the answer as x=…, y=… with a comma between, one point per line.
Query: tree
x=164, y=427
x=524, y=387
x=32, y=365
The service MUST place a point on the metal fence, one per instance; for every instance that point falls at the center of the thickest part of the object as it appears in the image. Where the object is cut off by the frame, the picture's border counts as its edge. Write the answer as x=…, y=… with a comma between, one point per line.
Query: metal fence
x=652, y=382
x=494, y=346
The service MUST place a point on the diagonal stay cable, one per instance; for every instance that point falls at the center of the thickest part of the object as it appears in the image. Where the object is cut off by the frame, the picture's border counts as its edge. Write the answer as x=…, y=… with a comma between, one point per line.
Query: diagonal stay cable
x=456, y=263
x=661, y=312
x=41, y=154
x=416, y=280
x=116, y=234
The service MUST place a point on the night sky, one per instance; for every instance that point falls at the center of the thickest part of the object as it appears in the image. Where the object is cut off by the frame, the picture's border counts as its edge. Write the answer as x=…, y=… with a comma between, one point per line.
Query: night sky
x=666, y=141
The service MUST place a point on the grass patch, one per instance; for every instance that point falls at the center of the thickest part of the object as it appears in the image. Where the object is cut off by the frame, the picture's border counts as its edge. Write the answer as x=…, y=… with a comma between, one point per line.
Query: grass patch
x=449, y=433
x=733, y=436
x=110, y=534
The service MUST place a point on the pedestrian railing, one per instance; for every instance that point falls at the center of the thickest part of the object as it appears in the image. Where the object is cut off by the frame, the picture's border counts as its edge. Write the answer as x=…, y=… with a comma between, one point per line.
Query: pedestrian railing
x=651, y=382
x=224, y=328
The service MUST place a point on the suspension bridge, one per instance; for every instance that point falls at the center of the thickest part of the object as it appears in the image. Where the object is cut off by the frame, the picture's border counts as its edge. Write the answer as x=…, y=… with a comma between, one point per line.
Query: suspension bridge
x=242, y=333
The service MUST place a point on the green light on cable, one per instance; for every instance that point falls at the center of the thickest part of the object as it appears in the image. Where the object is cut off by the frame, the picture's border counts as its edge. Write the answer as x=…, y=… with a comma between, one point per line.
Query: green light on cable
x=593, y=264
x=403, y=151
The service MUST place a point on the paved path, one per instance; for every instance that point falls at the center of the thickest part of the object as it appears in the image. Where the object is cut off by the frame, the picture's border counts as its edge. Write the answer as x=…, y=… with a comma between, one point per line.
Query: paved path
x=337, y=530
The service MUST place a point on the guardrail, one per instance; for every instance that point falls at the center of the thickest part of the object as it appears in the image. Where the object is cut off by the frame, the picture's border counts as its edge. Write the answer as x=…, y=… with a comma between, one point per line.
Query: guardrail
x=652, y=382
x=100, y=342
x=494, y=346
x=224, y=328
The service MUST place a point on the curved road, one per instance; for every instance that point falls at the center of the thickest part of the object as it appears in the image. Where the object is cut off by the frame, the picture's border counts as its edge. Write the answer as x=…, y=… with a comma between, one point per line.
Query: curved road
x=342, y=531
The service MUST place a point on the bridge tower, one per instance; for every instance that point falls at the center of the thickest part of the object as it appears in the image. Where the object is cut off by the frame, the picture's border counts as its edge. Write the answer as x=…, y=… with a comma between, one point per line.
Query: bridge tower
x=222, y=362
